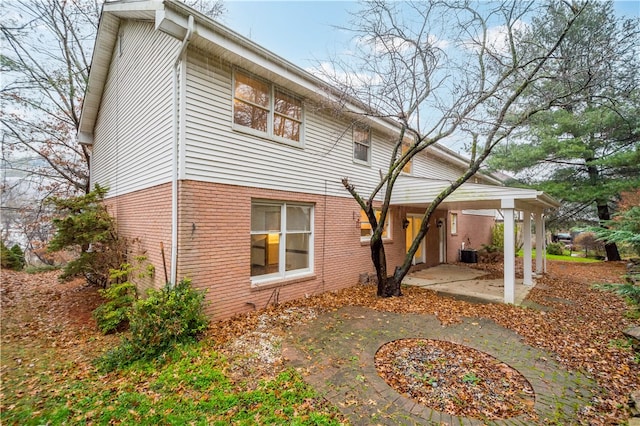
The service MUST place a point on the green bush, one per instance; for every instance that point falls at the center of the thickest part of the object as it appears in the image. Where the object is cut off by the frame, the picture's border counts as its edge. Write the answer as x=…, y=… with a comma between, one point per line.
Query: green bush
x=113, y=315
x=167, y=317
x=11, y=258
x=555, y=248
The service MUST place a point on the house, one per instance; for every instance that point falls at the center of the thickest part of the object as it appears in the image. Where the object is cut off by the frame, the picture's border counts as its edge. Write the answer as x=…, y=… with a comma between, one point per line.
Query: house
x=226, y=155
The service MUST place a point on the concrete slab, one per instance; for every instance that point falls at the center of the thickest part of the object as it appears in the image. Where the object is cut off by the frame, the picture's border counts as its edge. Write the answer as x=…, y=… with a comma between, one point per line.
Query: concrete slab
x=462, y=282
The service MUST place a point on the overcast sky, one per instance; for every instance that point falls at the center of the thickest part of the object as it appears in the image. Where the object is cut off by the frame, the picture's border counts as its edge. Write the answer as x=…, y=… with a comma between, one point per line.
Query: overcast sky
x=301, y=31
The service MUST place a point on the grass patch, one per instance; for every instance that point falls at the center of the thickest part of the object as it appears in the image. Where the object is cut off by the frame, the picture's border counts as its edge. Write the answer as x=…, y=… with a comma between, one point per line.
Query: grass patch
x=40, y=269
x=564, y=258
x=188, y=387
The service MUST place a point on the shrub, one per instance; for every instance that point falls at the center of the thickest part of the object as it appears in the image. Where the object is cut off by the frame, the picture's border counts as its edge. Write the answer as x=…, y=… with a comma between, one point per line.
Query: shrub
x=167, y=317
x=113, y=315
x=555, y=248
x=84, y=225
x=11, y=258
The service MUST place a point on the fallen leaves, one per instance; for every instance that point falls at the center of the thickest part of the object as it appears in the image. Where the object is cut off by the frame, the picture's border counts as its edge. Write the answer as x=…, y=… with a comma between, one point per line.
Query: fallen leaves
x=455, y=379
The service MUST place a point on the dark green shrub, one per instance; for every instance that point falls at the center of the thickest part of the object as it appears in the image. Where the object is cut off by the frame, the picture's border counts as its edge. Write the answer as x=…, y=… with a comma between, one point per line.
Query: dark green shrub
x=84, y=225
x=167, y=317
x=11, y=258
x=555, y=248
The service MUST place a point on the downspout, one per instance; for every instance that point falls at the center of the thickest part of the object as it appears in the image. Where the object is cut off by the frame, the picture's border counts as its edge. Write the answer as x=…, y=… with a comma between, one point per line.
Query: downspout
x=174, y=152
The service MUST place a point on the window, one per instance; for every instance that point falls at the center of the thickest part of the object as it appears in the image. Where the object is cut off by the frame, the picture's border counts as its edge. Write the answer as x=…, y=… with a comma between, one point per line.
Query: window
x=365, y=226
x=454, y=223
x=281, y=240
x=265, y=109
x=361, y=144
x=406, y=145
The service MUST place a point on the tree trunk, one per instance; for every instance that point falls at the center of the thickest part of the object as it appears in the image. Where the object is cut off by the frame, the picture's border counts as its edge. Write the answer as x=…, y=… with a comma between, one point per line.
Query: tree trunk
x=610, y=248
x=387, y=286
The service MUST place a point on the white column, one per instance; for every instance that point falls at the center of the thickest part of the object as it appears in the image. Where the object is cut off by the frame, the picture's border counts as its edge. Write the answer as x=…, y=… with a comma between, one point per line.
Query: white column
x=526, y=231
x=508, y=206
x=540, y=243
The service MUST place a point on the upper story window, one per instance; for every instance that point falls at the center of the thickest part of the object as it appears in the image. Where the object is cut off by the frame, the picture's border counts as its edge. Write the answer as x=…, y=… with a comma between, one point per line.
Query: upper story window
x=366, y=230
x=266, y=110
x=361, y=144
x=406, y=145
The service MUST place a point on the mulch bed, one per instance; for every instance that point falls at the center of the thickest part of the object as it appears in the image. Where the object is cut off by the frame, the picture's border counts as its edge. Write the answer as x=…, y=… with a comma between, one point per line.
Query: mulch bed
x=455, y=379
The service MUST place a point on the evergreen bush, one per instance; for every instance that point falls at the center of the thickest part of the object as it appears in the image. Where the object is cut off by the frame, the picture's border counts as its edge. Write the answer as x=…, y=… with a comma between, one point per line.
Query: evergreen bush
x=555, y=248
x=11, y=258
x=84, y=225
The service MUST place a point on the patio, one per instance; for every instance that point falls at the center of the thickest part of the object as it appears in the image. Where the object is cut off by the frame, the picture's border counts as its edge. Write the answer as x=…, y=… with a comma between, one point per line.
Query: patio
x=465, y=283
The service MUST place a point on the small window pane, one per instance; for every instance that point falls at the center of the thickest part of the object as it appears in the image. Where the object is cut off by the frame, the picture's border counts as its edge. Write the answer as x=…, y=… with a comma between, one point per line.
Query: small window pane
x=360, y=152
x=298, y=218
x=265, y=254
x=297, y=250
x=252, y=90
x=265, y=218
x=366, y=229
x=250, y=116
x=361, y=143
x=288, y=105
x=286, y=128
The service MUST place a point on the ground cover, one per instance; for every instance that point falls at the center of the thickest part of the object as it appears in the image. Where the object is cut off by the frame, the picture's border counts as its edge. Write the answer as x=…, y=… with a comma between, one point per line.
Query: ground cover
x=238, y=375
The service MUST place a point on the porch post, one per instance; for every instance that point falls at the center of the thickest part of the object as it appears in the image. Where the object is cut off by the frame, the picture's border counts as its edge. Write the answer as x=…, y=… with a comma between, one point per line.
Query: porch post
x=541, y=251
x=526, y=230
x=508, y=206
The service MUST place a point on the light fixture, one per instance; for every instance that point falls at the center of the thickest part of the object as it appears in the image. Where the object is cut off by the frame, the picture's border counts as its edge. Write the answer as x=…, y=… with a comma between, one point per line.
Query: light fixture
x=439, y=224
x=405, y=223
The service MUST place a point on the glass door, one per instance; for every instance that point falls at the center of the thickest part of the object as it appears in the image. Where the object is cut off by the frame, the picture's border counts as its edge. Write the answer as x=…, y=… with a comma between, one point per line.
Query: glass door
x=410, y=233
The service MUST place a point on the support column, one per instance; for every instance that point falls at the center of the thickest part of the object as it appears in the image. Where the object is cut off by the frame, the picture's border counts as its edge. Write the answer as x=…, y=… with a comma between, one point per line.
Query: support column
x=526, y=231
x=541, y=249
x=508, y=206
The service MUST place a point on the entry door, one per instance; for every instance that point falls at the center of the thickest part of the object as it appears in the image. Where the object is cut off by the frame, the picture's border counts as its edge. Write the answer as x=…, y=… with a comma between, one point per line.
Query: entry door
x=410, y=233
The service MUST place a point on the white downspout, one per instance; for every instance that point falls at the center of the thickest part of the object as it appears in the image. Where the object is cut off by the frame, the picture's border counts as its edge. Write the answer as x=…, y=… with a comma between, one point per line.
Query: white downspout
x=174, y=152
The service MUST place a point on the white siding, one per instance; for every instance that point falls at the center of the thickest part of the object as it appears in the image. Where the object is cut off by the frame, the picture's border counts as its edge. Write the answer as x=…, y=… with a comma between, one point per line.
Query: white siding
x=217, y=153
x=133, y=134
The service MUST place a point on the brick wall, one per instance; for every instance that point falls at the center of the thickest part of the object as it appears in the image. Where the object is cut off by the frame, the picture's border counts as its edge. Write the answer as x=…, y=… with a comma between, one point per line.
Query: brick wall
x=214, y=242
x=144, y=217
x=473, y=230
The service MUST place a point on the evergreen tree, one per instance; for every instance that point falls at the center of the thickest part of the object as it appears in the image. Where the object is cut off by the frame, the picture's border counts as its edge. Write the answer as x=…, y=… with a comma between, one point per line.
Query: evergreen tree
x=585, y=149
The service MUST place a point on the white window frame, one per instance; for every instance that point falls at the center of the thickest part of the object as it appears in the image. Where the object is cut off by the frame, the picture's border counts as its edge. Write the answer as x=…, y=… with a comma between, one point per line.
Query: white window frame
x=387, y=226
x=282, y=272
x=353, y=151
x=271, y=112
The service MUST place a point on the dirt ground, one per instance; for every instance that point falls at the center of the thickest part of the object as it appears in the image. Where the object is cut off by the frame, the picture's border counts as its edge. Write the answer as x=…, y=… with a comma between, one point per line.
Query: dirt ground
x=45, y=322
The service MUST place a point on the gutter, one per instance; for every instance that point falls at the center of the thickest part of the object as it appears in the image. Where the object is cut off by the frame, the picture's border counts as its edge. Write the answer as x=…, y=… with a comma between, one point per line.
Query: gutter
x=178, y=127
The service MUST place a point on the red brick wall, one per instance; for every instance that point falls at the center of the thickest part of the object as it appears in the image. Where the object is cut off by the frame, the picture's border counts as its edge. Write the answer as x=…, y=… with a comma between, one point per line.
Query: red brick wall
x=145, y=216
x=473, y=230
x=215, y=246
x=214, y=242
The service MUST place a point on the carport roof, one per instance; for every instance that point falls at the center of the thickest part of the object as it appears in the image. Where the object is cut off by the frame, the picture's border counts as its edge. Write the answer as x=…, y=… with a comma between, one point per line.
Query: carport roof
x=419, y=192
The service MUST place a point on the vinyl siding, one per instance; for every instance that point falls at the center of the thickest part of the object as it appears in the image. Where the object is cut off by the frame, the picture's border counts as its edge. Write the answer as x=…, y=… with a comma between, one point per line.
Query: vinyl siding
x=217, y=153
x=133, y=134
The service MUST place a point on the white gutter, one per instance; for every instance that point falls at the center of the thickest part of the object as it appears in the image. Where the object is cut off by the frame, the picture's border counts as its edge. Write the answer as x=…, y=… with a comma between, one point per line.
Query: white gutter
x=178, y=125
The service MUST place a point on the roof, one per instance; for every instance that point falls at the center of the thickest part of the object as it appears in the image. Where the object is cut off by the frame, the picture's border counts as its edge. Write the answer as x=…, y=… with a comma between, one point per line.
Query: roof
x=419, y=192
x=171, y=17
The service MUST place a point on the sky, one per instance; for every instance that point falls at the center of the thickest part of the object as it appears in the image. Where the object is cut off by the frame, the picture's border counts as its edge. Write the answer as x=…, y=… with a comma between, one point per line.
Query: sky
x=303, y=32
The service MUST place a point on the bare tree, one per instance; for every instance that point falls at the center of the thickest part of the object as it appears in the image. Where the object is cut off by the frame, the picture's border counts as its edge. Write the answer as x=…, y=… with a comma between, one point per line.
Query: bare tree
x=441, y=69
